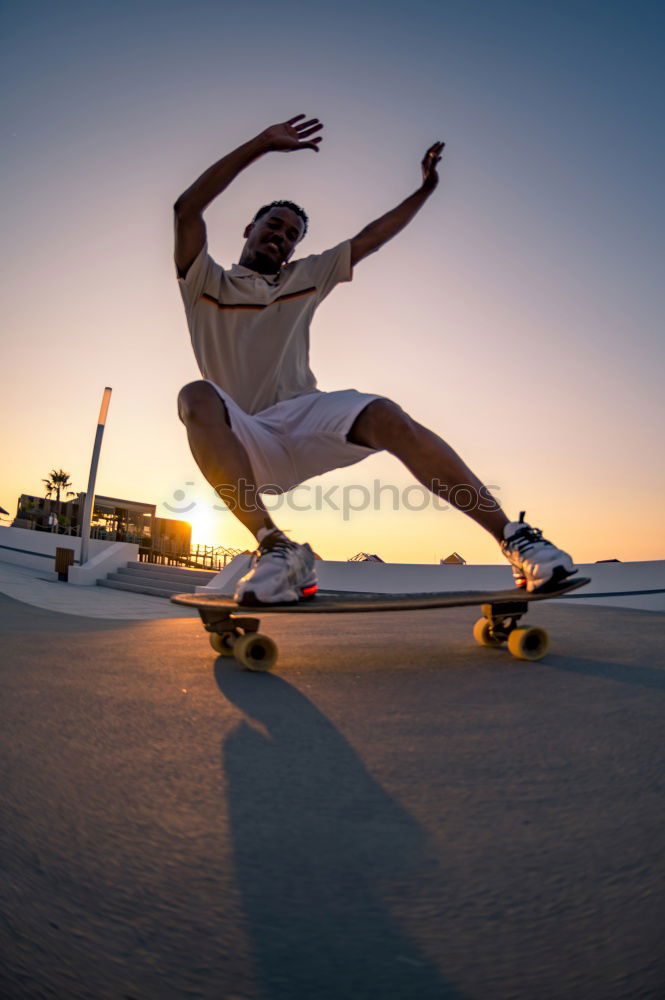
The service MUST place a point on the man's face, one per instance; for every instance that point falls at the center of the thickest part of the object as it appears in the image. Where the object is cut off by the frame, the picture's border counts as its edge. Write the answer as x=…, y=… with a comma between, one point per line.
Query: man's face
x=271, y=240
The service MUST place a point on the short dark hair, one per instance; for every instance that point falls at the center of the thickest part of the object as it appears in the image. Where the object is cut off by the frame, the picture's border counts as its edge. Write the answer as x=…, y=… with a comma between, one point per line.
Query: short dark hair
x=284, y=204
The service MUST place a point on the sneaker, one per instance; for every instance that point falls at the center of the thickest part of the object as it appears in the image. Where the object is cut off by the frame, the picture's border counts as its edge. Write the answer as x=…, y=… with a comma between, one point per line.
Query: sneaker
x=536, y=563
x=282, y=572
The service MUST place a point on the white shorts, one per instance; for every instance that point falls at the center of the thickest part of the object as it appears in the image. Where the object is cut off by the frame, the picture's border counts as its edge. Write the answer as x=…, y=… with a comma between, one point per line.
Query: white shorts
x=299, y=438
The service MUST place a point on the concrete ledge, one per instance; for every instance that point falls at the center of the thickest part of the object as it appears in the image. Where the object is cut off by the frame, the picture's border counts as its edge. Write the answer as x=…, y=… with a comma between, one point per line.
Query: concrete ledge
x=224, y=582
x=36, y=550
x=111, y=558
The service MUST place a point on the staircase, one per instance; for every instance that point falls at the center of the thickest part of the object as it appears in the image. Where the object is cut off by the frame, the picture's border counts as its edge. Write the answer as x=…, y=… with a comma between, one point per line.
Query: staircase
x=157, y=580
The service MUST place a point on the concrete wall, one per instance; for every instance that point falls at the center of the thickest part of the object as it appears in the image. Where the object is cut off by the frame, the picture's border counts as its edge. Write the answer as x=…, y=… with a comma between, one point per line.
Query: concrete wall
x=108, y=560
x=627, y=585
x=36, y=550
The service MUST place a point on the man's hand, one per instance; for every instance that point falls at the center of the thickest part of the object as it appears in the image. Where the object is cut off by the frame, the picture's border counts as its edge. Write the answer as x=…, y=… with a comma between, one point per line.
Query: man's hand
x=379, y=232
x=289, y=136
x=429, y=163
x=190, y=230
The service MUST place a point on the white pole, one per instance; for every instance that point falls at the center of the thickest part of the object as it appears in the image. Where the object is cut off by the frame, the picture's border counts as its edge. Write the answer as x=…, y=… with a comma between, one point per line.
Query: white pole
x=90, y=495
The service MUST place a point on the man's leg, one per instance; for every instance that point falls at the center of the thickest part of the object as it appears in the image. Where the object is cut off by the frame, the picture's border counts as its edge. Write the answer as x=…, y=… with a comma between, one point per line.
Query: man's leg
x=281, y=570
x=536, y=562
x=383, y=424
x=220, y=455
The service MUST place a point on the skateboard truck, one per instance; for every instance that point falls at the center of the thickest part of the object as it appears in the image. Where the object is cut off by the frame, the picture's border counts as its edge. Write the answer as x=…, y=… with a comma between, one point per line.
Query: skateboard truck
x=499, y=624
x=237, y=636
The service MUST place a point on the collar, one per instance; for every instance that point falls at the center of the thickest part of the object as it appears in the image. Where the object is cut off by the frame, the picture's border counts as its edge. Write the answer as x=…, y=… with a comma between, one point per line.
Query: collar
x=240, y=271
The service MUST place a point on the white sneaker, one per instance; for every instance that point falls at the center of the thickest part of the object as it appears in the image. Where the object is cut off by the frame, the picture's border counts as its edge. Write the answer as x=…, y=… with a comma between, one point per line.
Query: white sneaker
x=282, y=572
x=536, y=563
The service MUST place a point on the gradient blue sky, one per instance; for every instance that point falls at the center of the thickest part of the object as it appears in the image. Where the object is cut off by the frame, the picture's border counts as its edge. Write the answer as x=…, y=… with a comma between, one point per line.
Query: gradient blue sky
x=521, y=314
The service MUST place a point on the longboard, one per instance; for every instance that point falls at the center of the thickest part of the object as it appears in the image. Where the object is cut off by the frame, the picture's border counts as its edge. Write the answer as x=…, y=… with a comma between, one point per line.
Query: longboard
x=233, y=633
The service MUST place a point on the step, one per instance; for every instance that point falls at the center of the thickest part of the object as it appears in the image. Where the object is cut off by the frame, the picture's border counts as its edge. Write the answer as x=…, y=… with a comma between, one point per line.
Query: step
x=120, y=583
x=138, y=579
x=164, y=568
x=161, y=579
x=159, y=569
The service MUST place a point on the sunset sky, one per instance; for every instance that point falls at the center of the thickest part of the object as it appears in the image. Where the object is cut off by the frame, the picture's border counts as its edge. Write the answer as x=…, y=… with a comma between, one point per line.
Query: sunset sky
x=520, y=315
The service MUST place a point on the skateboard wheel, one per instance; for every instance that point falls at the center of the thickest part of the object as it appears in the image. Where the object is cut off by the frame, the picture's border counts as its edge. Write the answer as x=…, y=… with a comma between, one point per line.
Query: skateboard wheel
x=528, y=643
x=483, y=635
x=255, y=651
x=218, y=644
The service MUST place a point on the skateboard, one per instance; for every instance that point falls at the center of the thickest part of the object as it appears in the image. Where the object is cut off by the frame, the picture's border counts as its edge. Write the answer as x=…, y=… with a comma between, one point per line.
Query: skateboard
x=233, y=632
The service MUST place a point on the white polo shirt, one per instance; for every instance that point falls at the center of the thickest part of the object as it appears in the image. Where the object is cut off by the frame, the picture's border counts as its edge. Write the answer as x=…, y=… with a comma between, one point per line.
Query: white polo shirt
x=250, y=331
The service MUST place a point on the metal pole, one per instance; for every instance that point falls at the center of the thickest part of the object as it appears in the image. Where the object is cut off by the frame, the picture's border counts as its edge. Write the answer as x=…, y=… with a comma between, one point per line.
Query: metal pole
x=90, y=494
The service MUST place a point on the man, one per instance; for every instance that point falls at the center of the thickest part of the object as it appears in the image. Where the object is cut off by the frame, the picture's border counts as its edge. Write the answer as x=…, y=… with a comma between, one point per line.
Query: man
x=257, y=419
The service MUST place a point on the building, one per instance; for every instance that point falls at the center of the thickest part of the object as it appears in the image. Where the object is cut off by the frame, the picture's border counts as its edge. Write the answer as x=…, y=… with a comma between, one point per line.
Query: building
x=112, y=519
x=169, y=535
x=454, y=559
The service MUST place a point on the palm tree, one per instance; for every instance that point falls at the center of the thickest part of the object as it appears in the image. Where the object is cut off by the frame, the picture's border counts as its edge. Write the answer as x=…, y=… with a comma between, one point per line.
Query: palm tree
x=58, y=480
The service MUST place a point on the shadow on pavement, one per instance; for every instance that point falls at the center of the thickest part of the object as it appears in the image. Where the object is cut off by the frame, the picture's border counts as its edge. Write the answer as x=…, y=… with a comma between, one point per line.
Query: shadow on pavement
x=322, y=854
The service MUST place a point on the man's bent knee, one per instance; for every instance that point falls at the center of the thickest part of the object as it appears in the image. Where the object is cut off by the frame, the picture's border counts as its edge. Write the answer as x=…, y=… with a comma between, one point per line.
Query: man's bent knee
x=380, y=425
x=198, y=402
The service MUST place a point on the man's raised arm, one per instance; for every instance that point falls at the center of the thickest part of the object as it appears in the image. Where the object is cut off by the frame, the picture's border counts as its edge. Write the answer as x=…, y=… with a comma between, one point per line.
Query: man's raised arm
x=190, y=230
x=379, y=232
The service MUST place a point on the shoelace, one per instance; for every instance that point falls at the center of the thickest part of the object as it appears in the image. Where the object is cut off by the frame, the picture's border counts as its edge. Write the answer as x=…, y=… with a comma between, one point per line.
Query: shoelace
x=280, y=547
x=525, y=537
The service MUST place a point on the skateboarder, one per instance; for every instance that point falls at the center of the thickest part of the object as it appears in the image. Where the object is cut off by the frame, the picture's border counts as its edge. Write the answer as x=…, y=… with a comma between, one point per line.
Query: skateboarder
x=257, y=419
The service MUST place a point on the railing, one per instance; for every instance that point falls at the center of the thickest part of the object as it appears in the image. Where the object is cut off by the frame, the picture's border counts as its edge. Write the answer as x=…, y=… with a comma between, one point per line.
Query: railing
x=212, y=557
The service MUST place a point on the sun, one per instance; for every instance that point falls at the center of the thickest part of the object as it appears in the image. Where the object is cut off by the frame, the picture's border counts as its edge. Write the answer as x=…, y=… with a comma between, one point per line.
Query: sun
x=204, y=526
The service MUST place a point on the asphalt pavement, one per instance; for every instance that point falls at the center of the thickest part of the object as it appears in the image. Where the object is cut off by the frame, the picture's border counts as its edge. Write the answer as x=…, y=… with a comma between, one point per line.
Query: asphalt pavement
x=394, y=812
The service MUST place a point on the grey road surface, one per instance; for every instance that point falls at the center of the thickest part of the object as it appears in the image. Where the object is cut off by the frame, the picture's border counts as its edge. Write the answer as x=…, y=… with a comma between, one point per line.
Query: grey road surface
x=394, y=813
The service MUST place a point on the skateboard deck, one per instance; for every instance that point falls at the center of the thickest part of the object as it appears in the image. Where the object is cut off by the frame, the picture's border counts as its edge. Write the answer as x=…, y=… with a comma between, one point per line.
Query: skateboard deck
x=233, y=630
